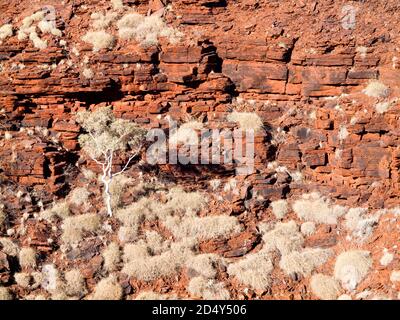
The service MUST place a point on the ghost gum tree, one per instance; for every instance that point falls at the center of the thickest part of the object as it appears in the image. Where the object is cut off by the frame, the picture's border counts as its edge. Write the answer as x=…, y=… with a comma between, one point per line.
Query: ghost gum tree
x=105, y=139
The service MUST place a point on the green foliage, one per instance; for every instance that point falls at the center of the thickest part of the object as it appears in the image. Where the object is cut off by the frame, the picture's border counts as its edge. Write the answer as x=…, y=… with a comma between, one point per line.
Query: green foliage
x=107, y=134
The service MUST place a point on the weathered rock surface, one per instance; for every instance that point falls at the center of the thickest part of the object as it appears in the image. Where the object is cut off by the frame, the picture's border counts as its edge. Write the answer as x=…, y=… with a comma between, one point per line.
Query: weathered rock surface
x=291, y=62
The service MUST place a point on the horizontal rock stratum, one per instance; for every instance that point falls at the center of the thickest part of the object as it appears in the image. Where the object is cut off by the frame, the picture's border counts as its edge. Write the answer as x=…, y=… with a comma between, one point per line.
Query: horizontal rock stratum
x=318, y=218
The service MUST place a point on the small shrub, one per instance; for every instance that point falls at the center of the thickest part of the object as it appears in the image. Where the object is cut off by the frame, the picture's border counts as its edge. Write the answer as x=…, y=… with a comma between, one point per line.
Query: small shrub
x=3, y=215
x=254, y=270
x=117, y=188
x=135, y=213
x=314, y=207
x=203, y=227
x=351, y=267
x=208, y=289
x=27, y=28
x=307, y=228
x=22, y=279
x=5, y=294
x=324, y=287
x=35, y=17
x=89, y=174
x=75, y=283
x=151, y=268
x=186, y=134
x=246, y=120
x=146, y=30
x=127, y=233
x=112, y=257
x=395, y=276
x=102, y=21
x=382, y=107
x=279, y=208
x=9, y=247
x=27, y=258
x=362, y=51
x=284, y=237
x=117, y=4
x=128, y=23
x=376, y=89
x=343, y=133
x=156, y=243
x=215, y=183
x=134, y=251
x=59, y=295
x=79, y=196
x=5, y=31
x=108, y=289
x=37, y=42
x=359, y=224
x=37, y=279
x=204, y=265
x=73, y=227
x=88, y=73
x=148, y=268
x=99, y=40
x=387, y=258
x=189, y=203
x=60, y=209
x=46, y=26
x=305, y=261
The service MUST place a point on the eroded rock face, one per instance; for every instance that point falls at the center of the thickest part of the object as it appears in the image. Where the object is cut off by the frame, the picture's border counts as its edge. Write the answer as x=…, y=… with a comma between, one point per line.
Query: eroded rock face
x=296, y=64
x=226, y=51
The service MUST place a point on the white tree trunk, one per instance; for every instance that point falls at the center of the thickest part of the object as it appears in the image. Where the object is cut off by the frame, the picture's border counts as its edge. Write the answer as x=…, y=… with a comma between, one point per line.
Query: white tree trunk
x=107, y=195
x=108, y=176
x=106, y=179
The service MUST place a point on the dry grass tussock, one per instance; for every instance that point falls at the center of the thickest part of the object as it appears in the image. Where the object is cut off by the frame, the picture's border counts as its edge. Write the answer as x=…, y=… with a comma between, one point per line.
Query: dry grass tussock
x=79, y=196
x=27, y=257
x=203, y=228
x=9, y=247
x=324, y=287
x=376, y=89
x=112, y=257
x=279, y=208
x=99, y=40
x=149, y=267
x=253, y=270
x=283, y=237
x=316, y=208
x=75, y=283
x=205, y=265
x=208, y=289
x=5, y=294
x=6, y=31
x=108, y=289
x=59, y=209
x=74, y=227
x=305, y=261
x=246, y=120
x=146, y=29
x=351, y=267
x=3, y=215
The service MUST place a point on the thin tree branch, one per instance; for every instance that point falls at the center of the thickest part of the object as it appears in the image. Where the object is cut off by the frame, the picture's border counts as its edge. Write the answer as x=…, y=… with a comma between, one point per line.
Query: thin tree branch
x=127, y=164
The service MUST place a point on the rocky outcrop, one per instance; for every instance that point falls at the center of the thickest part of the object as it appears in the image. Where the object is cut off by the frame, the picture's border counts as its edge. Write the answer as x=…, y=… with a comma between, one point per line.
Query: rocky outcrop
x=296, y=64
